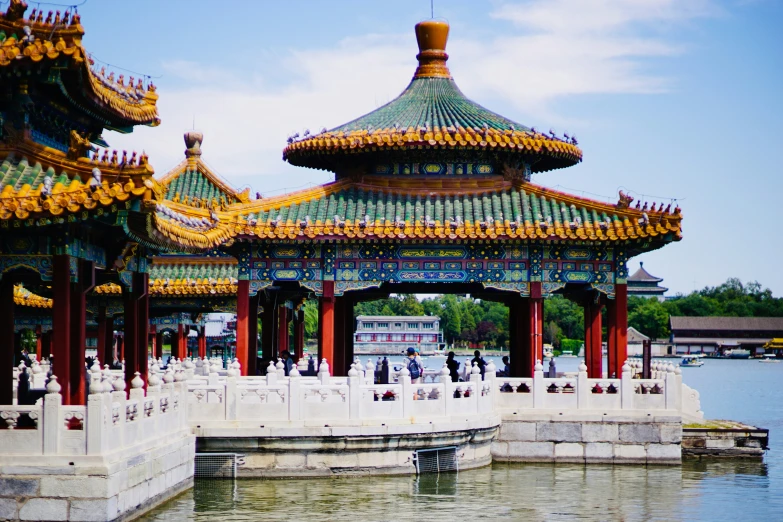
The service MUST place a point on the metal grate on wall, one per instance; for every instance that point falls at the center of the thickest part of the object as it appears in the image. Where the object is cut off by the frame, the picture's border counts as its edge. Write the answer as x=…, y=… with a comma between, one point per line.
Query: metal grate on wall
x=217, y=465
x=436, y=460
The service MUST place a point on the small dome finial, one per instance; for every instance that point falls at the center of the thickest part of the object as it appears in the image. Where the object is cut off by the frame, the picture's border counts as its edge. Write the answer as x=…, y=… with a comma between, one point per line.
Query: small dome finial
x=432, y=36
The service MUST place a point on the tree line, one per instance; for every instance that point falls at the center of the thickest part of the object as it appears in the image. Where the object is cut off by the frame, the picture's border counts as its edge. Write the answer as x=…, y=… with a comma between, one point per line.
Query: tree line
x=466, y=321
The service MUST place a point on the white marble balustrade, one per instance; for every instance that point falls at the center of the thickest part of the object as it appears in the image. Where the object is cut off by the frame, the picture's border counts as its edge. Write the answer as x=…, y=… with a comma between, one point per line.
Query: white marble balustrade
x=110, y=421
x=276, y=398
x=665, y=391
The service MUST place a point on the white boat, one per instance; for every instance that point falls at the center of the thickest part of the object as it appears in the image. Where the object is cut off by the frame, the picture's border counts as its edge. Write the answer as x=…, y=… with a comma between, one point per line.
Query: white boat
x=737, y=353
x=567, y=353
x=692, y=361
x=770, y=358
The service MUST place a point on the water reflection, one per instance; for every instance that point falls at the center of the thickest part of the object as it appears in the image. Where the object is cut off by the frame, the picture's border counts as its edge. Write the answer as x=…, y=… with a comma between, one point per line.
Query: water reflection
x=698, y=490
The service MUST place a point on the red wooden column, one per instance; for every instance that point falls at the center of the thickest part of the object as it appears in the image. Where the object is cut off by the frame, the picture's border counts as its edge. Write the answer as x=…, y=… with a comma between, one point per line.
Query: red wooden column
x=175, y=336
x=202, y=342
x=243, y=307
x=61, y=323
x=141, y=290
x=593, y=336
x=268, y=330
x=182, y=337
x=348, y=330
x=79, y=291
x=282, y=329
x=340, y=366
x=611, y=337
x=326, y=324
x=38, y=342
x=7, y=355
x=153, y=340
x=101, y=336
x=621, y=328
x=158, y=344
x=130, y=334
x=520, y=346
x=299, y=334
x=46, y=345
x=252, y=336
x=535, y=330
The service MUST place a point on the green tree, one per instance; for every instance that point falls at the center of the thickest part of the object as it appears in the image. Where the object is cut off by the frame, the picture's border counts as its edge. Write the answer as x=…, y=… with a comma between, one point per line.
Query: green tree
x=650, y=318
x=566, y=314
x=311, y=318
x=553, y=334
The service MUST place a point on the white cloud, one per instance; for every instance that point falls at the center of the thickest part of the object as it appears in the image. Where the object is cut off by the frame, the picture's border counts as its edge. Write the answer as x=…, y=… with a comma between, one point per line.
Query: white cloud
x=548, y=50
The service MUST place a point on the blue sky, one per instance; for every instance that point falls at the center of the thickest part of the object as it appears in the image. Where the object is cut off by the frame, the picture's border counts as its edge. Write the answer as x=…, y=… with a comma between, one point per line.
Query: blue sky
x=669, y=98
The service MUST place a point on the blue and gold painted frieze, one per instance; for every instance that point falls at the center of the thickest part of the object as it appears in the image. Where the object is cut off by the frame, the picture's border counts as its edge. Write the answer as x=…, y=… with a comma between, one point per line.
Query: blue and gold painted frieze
x=365, y=264
x=434, y=169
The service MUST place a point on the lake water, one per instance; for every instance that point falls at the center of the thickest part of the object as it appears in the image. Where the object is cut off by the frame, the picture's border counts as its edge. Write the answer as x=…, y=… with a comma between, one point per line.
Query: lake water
x=745, y=391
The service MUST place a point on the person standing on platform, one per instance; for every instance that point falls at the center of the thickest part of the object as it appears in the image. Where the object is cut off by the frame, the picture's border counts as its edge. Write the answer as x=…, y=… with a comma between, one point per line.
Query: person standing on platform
x=288, y=362
x=453, y=367
x=414, y=367
x=478, y=360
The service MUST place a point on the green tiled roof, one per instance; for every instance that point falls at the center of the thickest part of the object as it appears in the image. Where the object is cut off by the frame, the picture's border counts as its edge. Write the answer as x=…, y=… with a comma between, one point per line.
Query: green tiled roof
x=430, y=102
x=210, y=268
x=388, y=206
x=19, y=172
x=193, y=183
x=425, y=209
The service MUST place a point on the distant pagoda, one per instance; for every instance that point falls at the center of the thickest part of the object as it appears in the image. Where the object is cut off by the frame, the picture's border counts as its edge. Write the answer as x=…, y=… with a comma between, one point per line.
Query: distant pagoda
x=643, y=284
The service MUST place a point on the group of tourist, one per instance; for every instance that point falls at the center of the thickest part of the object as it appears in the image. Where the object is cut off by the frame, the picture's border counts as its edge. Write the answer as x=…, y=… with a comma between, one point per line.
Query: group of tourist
x=416, y=367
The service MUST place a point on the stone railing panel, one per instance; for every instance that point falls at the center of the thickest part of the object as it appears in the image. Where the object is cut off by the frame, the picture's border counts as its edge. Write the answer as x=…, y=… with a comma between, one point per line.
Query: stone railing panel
x=263, y=402
x=429, y=400
x=560, y=393
x=324, y=401
x=603, y=394
x=206, y=402
x=381, y=401
x=19, y=430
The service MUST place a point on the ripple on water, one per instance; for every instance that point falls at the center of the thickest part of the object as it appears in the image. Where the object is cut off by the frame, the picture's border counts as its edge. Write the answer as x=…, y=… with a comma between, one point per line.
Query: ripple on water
x=696, y=491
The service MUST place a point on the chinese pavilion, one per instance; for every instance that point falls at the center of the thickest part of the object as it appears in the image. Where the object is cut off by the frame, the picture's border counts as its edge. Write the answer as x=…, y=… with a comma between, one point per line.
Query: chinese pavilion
x=67, y=207
x=432, y=193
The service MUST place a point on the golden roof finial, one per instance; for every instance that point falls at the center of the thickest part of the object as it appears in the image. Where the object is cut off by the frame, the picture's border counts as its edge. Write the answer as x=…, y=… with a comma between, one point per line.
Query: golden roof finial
x=432, y=36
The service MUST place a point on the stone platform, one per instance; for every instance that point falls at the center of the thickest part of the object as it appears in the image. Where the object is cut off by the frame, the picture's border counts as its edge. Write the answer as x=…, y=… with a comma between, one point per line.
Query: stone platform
x=587, y=438
x=721, y=439
x=83, y=488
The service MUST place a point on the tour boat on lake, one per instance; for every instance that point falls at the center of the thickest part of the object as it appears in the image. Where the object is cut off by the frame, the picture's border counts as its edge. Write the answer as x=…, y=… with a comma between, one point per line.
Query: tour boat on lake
x=692, y=361
x=770, y=358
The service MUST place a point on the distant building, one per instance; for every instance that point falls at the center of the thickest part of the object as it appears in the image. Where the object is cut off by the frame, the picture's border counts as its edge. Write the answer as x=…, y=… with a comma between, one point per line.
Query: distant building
x=643, y=284
x=394, y=334
x=717, y=334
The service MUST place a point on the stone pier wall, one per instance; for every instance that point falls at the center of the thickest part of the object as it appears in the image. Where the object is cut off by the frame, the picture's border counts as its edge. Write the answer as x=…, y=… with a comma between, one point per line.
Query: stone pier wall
x=360, y=450
x=95, y=488
x=583, y=438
